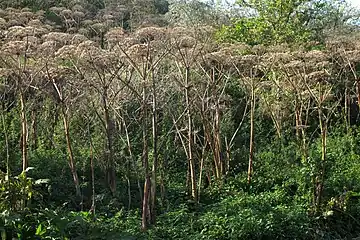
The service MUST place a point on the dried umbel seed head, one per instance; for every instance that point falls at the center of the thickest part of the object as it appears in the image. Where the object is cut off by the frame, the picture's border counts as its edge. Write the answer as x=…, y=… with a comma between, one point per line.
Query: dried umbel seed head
x=102, y=59
x=259, y=50
x=16, y=32
x=87, y=45
x=61, y=38
x=295, y=64
x=108, y=17
x=66, y=13
x=78, y=38
x=2, y=24
x=282, y=48
x=250, y=59
x=59, y=74
x=109, y=22
x=148, y=34
x=237, y=49
x=57, y=10
x=298, y=55
x=277, y=58
x=78, y=15
x=316, y=56
x=115, y=36
x=247, y=63
x=352, y=56
x=71, y=30
x=78, y=7
x=323, y=65
x=186, y=42
x=47, y=48
x=87, y=22
x=115, y=33
x=90, y=55
x=70, y=21
x=126, y=43
x=34, y=41
x=11, y=10
x=204, y=33
x=40, y=31
x=27, y=15
x=138, y=51
x=5, y=72
x=3, y=13
x=83, y=31
x=35, y=23
x=13, y=22
x=341, y=43
x=215, y=59
x=35, y=31
x=30, y=31
x=356, y=41
x=180, y=31
x=22, y=21
x=26, y=9
x=87, y=48
x=318, y=76
x=48, y=27
x=121, y=8
x=14, y=48
x=98, y=27
x=66, y=52
x=40, y=14
x=182, y=37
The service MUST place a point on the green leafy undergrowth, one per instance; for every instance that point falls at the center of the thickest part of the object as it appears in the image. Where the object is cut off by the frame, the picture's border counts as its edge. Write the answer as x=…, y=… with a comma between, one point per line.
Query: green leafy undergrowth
x=269, y=215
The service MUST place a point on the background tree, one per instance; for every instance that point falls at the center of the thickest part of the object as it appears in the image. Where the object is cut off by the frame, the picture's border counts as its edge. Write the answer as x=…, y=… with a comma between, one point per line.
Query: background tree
x=278, y=21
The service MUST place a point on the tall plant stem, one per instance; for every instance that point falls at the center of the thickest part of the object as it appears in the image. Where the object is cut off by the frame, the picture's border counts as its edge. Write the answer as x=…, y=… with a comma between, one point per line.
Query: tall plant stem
x=70, y=152
x=93, y=202
x=109, y=151
x=6, y=144
x=155, y=152
x=251, y=148
x=24, y=133
x=190, y=139
x=145, y=157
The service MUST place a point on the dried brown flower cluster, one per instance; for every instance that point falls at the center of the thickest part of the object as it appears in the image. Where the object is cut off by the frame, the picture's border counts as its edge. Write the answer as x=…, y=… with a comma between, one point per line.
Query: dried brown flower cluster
x=95, y=43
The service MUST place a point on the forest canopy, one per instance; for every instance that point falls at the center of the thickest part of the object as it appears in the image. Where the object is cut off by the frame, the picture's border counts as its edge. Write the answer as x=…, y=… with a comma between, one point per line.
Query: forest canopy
x=161, y=119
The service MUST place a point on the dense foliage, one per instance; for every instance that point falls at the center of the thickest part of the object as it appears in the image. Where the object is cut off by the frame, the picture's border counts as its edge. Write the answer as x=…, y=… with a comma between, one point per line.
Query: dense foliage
x=156, y=120
x=288, y=21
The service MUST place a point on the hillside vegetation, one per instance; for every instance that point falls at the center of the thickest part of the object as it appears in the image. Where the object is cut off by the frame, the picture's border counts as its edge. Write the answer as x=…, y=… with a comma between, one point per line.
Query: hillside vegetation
x=179, y=120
